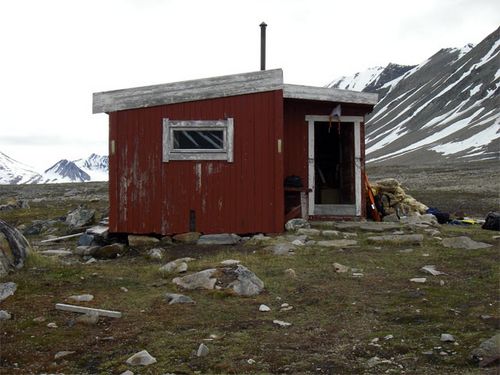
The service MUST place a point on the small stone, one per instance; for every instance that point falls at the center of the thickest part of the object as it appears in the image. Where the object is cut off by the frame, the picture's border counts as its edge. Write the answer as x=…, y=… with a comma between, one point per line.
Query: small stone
x=123, y=289
x=441, y=282
x=282, y=323
x=4, y=315
x=128, y=372
x=432, y=270
x=39, y=319
x=446, y=337
x=443, y=353
x=156, y=253
x=295, y=224
x=297, y=243
x=52, y=325
x=357, y=274
x=284, y=248
x=230, y=262
x=340, y=268
x=388, y=337
x=199, y=280
x=264, y=308
x=202, y=350
x=418, y=280
x=63, y=353
x=82, y=298
x=173, y=298
x=90, y=318
x=251, y=361
x=142, y=358
x=290, y=272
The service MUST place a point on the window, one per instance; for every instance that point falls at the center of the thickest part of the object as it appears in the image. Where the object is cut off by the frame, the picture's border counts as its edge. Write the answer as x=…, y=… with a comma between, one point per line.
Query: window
x=198, y=140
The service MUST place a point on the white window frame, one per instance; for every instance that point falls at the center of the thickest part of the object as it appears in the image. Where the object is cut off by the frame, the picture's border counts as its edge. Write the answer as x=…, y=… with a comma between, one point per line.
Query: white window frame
x=170, y=153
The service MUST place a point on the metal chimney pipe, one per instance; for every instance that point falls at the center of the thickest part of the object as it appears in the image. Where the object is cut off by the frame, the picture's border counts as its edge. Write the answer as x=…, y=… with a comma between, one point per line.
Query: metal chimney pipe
x=263, y=46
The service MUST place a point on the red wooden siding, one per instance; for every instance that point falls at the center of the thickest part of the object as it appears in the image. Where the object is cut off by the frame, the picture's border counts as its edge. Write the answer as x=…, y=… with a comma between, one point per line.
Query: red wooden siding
x=246, y=196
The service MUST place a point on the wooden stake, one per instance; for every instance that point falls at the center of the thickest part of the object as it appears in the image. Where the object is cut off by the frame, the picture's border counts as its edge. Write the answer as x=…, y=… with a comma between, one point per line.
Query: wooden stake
x=86, y=310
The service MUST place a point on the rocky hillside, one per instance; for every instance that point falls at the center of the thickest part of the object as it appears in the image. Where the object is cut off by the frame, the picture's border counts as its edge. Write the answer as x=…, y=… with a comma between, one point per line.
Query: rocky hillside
x=443, y=110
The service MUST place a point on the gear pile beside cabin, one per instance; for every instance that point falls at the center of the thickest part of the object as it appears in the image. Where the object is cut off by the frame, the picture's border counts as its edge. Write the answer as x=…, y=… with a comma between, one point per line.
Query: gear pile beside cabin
x=233, y=154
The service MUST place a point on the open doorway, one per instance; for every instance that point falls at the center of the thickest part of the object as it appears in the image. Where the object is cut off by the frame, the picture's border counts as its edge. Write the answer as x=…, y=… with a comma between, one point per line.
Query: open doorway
x=334, y=163
x=334, y=166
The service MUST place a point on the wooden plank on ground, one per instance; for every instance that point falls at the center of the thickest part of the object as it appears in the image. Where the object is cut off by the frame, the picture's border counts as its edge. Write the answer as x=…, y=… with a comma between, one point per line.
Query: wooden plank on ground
x=86, y=310
x=62, y=238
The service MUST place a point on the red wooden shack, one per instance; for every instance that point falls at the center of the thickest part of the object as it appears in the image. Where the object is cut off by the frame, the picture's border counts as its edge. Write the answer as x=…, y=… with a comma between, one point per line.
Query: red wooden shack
x=213, y=155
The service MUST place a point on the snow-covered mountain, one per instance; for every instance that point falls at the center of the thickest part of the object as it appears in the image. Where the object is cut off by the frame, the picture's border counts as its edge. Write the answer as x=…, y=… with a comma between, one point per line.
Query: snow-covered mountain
x=13, y=172
x=93, y=168
x=96, y=166
x=64, y=171
x=445, y=109
x=372, y=79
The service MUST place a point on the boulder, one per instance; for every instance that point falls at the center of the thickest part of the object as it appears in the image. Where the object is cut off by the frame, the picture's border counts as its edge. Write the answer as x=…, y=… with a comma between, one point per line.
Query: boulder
x=142, y=241
x=488, y=351
x=142, y=358
x=246, y=283
x=109, y=251
x=7, y=289
x=80, y=217
x=294, y=224
x=239, y=279
x=219, y=239
x=198, y=280
x=309, y=231
x=337, y=243
x=189, y=237
x=464, y=242
x=14, y=248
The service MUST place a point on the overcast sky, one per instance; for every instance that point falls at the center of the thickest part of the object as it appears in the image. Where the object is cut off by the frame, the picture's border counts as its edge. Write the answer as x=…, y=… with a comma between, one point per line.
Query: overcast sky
x=56, y=53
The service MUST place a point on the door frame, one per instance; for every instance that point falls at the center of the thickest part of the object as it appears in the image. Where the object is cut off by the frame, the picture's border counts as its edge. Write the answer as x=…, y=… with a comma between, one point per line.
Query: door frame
x=335, y=209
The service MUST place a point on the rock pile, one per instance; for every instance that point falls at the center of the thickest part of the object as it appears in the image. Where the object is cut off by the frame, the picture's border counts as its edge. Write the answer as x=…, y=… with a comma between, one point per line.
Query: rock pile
x=395, y=199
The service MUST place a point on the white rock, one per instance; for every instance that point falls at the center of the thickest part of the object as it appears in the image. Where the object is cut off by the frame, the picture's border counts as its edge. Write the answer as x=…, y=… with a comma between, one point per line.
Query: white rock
x=446, y=337
x=142, y=358
x=340, y=268
x=7, y=289
x=264, y=308
x=251, y=361
x=202, y=350
x=297, y=243
x=52, y=325
x=432, y=270
x=282, y=323
x=128, y=372
x=418, y=280
x=82, y=298
x=4, y=315
x=63, y=353
x=230, y=262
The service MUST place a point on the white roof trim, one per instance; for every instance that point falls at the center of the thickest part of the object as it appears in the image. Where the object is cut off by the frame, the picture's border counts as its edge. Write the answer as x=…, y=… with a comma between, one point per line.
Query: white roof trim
x=219, y=87
x=328, y=94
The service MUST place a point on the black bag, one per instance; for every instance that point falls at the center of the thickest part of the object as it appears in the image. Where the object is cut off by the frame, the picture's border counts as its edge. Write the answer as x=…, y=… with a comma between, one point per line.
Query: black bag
x=492, y=221
x=293, y=181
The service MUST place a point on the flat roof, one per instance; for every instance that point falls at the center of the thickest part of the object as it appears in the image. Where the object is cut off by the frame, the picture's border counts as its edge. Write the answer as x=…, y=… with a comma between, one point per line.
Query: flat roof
x=219, y=87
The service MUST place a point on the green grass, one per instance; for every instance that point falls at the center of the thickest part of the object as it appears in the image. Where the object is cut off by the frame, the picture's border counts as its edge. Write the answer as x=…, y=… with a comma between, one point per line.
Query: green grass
x=334, y=319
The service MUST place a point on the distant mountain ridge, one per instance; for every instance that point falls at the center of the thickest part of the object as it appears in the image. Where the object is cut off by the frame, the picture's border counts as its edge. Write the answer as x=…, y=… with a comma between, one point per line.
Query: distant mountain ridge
x=445, y=109
x=93, y=168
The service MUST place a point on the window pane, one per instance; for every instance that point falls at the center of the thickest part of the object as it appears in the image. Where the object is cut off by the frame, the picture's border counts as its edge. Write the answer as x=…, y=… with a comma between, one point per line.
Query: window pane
x=198, y=139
